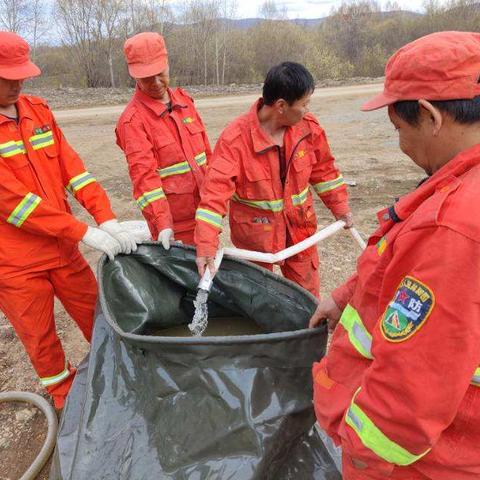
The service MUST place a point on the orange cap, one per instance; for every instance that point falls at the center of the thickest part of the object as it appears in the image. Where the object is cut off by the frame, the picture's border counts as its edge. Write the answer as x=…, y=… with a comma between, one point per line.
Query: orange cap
x=15, y=62
x=146, y=54
x=439, y=66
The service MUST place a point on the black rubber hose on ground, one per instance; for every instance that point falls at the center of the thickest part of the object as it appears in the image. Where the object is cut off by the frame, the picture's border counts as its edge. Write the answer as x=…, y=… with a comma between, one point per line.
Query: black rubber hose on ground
x=52, y=423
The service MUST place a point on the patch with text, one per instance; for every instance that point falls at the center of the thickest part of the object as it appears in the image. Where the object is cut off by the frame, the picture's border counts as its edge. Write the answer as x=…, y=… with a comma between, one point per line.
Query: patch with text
x=407, y=312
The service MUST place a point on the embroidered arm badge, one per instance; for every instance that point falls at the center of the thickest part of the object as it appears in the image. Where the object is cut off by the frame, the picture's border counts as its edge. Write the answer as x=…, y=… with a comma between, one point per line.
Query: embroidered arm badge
x=408, y=311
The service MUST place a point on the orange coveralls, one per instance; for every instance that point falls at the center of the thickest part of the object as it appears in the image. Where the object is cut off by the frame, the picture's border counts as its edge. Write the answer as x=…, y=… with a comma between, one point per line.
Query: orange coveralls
x=400, y=386
x=39, y=257
x=265, y=214
x=167, y=154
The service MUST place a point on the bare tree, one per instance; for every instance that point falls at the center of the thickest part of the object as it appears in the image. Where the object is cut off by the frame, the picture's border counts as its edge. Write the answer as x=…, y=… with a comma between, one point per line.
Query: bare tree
x=203, y=18
x=38, y=24
x=147, y=15
x=269, y=10
x=75, y=20
x=107, y=22
x=228, y=11
x=14, y=15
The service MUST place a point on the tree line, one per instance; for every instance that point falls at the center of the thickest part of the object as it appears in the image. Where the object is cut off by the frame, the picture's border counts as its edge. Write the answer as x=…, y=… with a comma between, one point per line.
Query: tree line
x=79, y=43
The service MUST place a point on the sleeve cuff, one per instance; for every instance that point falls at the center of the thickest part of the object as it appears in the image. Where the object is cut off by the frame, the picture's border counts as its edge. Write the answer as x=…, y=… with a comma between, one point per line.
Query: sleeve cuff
x=104, y=216
x=206, y=251
x=77, y=232
x=340, y=210
x=341, y=296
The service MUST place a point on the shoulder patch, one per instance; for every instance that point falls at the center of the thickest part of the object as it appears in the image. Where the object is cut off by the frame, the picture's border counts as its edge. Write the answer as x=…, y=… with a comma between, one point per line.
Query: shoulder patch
x=408, y=311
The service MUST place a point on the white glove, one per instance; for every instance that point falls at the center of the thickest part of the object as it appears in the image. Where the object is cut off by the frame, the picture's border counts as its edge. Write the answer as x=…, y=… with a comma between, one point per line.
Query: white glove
x=123, y=237
x=102, y=241
x=139, y=229
x=166, y=236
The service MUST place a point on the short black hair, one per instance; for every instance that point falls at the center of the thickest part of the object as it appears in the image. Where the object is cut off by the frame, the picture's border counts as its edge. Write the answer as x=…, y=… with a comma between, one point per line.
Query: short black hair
x=466, y=111
x=288, y=80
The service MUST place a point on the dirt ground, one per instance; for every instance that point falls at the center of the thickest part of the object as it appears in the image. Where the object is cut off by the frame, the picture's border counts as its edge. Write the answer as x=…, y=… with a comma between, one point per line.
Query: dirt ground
x=366, y=148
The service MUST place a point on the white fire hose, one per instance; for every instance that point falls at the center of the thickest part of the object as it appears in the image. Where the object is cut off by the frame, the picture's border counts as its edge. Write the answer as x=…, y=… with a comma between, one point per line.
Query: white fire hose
x=322, y=234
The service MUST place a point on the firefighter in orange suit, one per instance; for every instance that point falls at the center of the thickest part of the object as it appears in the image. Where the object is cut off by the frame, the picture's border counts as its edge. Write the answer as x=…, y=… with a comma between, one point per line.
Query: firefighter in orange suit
x=265, y=162
x=400, y=387
x=165, y=143
x=39, y=256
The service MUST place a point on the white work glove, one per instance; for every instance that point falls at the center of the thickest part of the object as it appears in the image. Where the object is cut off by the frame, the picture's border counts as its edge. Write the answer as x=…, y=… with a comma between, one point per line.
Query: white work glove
x=123, y=237
x=166, y=236
x=139, y=229
x=102, y=241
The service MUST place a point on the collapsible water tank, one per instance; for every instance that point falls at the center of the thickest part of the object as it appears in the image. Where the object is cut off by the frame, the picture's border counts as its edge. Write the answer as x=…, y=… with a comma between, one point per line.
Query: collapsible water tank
x=234, y=406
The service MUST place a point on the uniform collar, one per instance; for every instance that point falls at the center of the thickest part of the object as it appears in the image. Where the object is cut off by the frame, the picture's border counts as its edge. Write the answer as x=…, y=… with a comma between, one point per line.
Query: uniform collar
x=22, y=110
x=446, y=179
x=157, y=107
x=261, y=141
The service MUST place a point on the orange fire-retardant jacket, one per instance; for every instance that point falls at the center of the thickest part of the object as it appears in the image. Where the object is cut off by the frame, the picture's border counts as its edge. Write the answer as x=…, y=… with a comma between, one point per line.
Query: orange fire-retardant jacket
x=167, y=154
x=245, y=168
x=37, y=167
x=401, y=383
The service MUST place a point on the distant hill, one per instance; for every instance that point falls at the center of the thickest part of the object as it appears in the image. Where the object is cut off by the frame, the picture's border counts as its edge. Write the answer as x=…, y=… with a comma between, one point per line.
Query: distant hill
x=246, y=23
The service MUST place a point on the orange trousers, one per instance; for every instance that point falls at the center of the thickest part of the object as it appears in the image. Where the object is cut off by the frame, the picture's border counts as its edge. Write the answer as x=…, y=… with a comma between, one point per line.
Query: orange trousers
x=28, y=302
x=303, y=271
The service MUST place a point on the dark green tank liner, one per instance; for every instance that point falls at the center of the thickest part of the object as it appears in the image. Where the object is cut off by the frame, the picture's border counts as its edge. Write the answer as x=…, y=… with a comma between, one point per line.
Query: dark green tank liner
x=209, y=408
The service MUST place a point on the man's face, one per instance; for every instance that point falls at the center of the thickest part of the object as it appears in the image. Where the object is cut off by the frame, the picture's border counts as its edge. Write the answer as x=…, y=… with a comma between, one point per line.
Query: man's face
x=156, y=85
x=293, y=113
x=9, y=91
x=414, y=140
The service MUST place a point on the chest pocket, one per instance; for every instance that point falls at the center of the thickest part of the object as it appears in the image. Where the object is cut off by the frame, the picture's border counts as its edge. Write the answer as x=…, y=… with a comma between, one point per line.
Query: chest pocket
x=44, y=142
x=258, y=184
x=195, y=130
x=302, y=166
x=168, y=152
x=173, y=169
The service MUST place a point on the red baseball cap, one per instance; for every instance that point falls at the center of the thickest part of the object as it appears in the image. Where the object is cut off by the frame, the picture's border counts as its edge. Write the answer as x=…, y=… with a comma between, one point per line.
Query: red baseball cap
x=439, y=66
x=15, y=61
x=146, y=54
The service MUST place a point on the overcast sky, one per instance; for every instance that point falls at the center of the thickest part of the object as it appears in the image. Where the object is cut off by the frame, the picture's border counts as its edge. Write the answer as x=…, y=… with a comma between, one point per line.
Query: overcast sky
x=309, y=8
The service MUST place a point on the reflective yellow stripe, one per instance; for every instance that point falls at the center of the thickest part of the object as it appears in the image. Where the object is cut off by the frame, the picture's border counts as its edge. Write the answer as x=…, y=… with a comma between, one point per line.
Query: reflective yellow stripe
x=201, y=159
x=22, y=211
x=149, y=197
x=374, y=439
x=207, y=216
x=42, y=140
x=175, y=169
x=11, y=148
x=188, y=120
x=272, y=205
x=47, y=381
x=300, y=198
x=80, y=181
x=357, y=333
x=476, y=378
x=324, y=187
